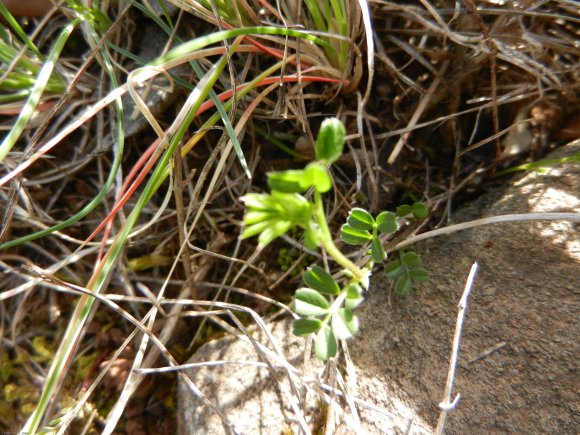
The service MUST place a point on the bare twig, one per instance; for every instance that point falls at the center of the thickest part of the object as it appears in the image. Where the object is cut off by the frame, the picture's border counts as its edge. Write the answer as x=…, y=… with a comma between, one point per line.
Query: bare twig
x=488, y=351
x=572, y=217
x=447, y=404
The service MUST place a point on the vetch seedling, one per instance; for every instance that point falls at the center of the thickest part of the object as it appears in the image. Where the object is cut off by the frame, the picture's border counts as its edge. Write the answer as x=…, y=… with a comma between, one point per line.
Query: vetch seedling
x=326, y=306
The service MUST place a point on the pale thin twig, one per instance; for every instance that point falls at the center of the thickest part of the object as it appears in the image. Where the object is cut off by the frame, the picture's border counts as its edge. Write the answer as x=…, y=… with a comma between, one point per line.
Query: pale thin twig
x=573, y=217
x=447, y=405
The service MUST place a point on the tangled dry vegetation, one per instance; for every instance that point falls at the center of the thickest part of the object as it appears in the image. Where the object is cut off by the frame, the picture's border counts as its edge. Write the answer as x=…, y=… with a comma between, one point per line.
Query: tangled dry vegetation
x=446, y=97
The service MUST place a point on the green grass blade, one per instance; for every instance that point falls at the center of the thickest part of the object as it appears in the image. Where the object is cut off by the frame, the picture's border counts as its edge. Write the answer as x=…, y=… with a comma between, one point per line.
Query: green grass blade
x=14, y=96
x=277, y=142
x=218, y=104
x=91, y=206
x=317, y=15
x=195, y=66
x=63, y=355
x=37, y=90
x=84, y=306
x=118, y=155
x=227, y=124
x=204, y=41
x=18, y=30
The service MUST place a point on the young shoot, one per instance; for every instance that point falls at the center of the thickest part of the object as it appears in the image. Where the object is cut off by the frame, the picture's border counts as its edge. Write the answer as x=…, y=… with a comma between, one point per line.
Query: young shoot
x=325, y=306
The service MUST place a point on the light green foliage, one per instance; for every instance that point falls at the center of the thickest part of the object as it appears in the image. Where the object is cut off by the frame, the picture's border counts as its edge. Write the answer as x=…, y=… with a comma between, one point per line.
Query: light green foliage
x=270, y=216
x=360, y=219
x=98, y=20
x=325, y=345
x=417, y=210
x=42, y=349
x=297, y=181
x=328, y=319
x=387, y=222
x=310, y=303
x=326, y=307
x=330, y=140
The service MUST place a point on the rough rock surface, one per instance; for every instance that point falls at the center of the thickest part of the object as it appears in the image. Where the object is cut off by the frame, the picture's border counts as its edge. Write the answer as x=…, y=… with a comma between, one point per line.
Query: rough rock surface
x=518, y=363
x=525, y=302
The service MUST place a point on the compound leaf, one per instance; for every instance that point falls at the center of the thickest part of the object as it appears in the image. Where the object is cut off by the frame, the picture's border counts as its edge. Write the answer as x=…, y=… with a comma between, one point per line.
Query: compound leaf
x=393, y=269
x=353, y=296
x=419, y=275
x=411, y=259
x=344, y=324
x=377, y=250
x=404, y=210
x=387, y=222
x=309, y=302
x=419, y=210
x=403, y=285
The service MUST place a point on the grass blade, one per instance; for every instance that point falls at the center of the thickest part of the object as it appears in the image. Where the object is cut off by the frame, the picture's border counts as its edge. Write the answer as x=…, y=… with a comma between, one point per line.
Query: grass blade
x=18, y=30
x=37, y=90
x=84, y=306
x=63, y=356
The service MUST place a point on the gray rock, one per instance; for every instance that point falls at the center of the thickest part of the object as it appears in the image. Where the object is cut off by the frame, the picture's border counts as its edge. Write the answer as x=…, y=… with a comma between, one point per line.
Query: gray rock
x=517, y=370
x=254, y=399
x=524, y=304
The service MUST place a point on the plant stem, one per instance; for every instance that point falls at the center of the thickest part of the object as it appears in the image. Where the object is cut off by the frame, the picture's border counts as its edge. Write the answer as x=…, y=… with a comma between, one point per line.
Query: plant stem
x=327, y=242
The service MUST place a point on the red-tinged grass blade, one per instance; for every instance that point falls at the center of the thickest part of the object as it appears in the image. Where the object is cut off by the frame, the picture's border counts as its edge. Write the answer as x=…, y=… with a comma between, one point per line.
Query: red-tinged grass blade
x=148, y=156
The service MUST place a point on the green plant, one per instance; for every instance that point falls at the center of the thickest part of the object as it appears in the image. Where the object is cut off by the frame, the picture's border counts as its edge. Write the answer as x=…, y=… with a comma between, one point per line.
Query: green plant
x=324, y=306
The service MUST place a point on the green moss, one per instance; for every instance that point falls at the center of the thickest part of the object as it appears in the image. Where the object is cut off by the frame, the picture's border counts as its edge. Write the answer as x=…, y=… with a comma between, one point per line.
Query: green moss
x=10, y=393
x=20, y=359
x=28, y=408
x=284, y=259
x=83, y=365
x=287, y=257
x=20, y=393
x=6, y=367
x=43, y=351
